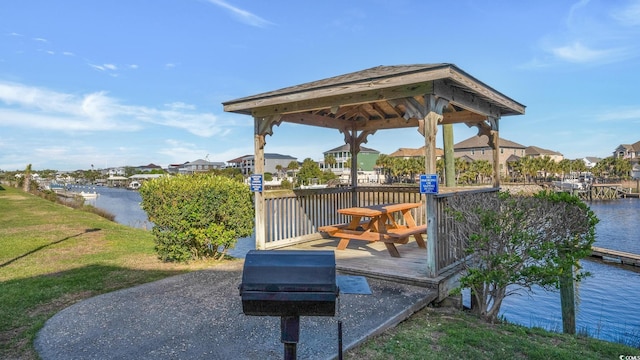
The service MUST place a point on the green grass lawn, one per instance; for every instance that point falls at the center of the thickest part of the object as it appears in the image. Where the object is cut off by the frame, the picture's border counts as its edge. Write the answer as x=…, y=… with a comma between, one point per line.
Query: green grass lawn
x=52, y=256
x=451, y=334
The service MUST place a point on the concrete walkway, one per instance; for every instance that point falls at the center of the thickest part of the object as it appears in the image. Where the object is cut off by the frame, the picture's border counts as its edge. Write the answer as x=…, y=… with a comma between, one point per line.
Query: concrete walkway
x=199, y=316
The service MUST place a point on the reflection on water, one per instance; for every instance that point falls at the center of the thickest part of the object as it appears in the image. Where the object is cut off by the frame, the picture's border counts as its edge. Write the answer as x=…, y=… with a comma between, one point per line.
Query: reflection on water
x=607, y=305
x=123, y=203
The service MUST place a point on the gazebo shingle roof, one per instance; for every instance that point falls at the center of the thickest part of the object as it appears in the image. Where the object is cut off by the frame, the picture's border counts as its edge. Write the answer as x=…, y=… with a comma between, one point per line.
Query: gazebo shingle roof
x=367, y=99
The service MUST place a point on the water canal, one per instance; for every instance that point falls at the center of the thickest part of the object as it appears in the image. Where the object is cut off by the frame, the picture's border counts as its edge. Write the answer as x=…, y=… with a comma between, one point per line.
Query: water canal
x=608, y=301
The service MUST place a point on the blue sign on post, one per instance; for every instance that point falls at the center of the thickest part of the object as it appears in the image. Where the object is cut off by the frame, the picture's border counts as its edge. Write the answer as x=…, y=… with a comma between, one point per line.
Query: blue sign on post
x=428, y=183
x=255, y=182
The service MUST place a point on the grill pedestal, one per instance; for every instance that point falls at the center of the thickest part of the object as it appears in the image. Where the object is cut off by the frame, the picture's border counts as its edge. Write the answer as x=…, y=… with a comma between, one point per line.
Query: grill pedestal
x=289, y=284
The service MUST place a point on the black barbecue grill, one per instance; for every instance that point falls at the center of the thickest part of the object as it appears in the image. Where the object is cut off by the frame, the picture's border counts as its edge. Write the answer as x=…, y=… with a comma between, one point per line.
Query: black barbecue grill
x=289, y=284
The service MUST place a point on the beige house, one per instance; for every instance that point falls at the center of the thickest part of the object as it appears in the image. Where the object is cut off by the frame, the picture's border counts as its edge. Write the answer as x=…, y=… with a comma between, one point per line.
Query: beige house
x=478, y=148
x=626, y=151
x=536, y=152
x=407, y=153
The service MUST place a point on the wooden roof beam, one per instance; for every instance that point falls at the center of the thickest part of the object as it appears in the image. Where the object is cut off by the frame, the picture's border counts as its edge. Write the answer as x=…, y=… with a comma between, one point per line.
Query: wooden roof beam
x=465, y=100
x=464, y=116
x=366, y=96
x=329, y=122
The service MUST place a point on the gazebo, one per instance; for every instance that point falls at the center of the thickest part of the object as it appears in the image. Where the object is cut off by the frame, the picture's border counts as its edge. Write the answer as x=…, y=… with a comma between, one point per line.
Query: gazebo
x=359, y=104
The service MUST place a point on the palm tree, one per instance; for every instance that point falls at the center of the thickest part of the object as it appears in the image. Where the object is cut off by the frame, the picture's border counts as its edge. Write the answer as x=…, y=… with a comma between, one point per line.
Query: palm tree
x=483, y=168
x=565, y=167
x=461, y=167
x=293, y=166
x=329, y=161
x=26, y=185
x=529, y=167
x=384, y=161
x=547, y=165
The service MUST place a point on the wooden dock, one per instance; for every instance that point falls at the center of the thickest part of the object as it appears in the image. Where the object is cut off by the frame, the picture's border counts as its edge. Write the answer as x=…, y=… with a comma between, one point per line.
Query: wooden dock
x=619, y=257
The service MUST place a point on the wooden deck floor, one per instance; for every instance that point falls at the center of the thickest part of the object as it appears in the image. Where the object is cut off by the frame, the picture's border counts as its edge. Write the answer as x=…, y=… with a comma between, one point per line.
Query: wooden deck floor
x=373, y=260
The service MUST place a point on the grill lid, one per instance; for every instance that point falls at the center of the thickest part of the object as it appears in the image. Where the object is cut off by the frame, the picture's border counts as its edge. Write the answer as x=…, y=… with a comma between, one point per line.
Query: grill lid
x=289, y=271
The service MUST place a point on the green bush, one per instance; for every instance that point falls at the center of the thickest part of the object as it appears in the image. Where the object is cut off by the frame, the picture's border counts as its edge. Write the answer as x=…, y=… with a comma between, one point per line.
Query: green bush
x=286, y=184
x=197, y=216
x=520, y=240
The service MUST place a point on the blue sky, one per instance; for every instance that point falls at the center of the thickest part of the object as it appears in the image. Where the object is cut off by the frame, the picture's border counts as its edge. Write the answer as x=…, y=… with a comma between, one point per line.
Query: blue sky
x=128, y=83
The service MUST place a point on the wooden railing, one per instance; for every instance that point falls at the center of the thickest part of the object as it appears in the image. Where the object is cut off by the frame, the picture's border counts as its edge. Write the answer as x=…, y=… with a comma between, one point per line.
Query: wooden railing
x=295, y=217
x=452, y=242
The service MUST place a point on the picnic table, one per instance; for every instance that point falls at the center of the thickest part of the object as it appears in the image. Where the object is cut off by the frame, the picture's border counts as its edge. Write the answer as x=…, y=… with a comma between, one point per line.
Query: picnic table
x=378, y=223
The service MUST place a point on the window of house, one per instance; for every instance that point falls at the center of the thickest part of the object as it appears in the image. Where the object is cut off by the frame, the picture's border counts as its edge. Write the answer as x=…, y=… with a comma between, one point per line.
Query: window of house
x=473, y=152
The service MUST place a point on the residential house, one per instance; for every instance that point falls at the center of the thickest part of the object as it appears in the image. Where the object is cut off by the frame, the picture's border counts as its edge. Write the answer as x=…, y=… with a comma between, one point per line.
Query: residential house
x=120, y=171
x=632, y=153
x=591, y=161
x=477, y=148
x=342, y=155
x=635, y=171
x=407, y=153
x=271, y=163
x=174, y=168
x=147, y=168
x=536, y=152
x=200, y=166
x=625, y=151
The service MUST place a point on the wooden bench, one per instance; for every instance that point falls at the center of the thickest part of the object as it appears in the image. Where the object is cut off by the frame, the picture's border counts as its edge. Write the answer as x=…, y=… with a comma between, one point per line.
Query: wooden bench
x=392, y=236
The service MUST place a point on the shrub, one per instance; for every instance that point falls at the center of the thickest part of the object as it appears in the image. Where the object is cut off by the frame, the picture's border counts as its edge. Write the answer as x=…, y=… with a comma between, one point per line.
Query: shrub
x=197, y=216
x=286, y=184
x=520, y=240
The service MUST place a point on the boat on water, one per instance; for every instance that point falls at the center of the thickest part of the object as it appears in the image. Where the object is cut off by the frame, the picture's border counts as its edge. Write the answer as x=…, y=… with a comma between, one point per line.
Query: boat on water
x=89, y=195
x=134, y=185
x=570, y=184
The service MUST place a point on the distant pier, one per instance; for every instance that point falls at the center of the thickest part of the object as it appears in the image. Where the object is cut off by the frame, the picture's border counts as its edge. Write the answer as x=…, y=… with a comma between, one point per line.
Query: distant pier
x=619, y=257
x=597, y=191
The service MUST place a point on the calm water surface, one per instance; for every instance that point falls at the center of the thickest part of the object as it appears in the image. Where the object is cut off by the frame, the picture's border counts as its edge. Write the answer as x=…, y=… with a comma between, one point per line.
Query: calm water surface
x=608, y=301
x=123, y=203
x=608, y=305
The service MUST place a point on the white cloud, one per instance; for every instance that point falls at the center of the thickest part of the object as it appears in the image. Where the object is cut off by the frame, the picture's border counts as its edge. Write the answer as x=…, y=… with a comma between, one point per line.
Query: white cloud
x=32, y=107
x=243, y=15
x=594, y=33
x=180, y=106
x=578, y=53
x=628, y=16
x=104, y=67
x=623, y=114
x=40, y=40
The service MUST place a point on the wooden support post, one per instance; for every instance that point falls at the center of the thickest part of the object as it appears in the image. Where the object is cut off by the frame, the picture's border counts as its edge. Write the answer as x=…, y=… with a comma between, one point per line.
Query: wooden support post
x=496, y=159
x=449, y=160
x=354, y=140
x=490, y=129
x=354, y=147
x=432, y=116
x=262, y=127
x=430, y=129
x=260, y=214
